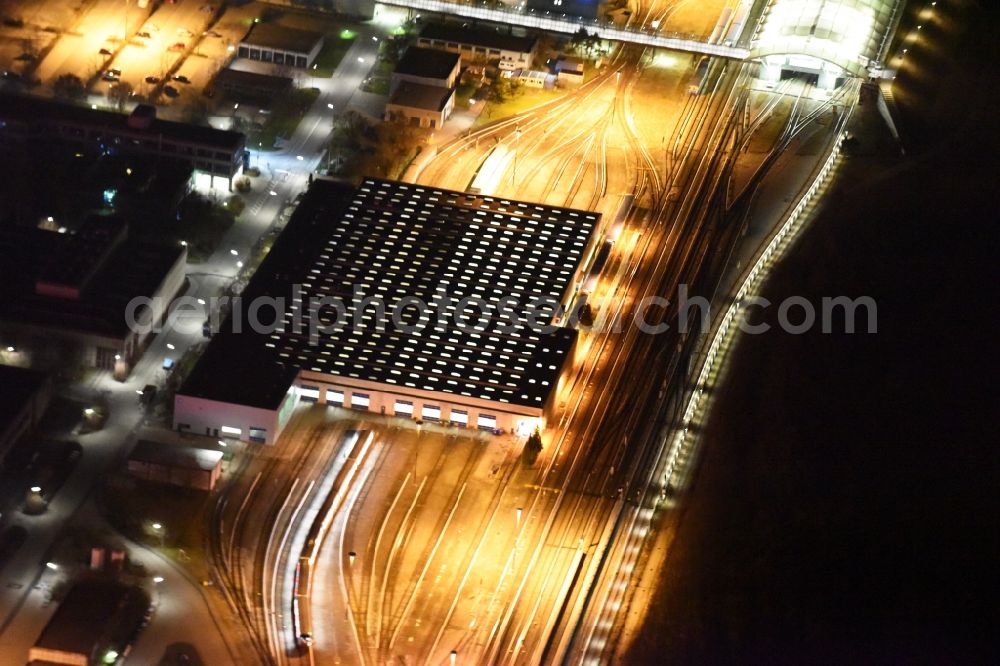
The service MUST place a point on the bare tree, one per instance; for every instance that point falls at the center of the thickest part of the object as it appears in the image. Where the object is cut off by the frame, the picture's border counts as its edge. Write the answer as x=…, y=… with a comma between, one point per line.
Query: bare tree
x=69, y=86
x=119, y=94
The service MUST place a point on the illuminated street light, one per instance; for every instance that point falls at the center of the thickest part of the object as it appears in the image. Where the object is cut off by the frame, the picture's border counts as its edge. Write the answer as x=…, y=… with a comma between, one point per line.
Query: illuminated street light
x=330, y=106
x=158, y=579
x=273, y=193
x=89, y=411
x=118, y=357
x=36, y=489
x=184, y=243
x=350, y=557
x=157, y=526
x=360, y=59
x=10, y=349
x=52, y=565
x=201, y=301
x=170, y=346
x=233, y=252
x=454, y=656
x=299, y=158
x=239, y=264
x=518, y=513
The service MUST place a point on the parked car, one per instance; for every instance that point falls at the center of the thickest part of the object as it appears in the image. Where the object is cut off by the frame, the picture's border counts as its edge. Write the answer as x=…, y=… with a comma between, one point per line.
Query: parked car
x=104, y=52
x=180, y=78
x=178, y=46
x=152, y=79
x=144, y=35
x=170, y=91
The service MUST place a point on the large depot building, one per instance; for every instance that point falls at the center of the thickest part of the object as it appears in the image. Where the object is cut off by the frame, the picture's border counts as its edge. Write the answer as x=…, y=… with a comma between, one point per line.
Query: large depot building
x=399, y=243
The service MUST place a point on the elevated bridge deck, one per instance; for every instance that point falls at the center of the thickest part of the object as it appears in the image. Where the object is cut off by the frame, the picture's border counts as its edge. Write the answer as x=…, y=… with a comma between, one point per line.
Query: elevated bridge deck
x=570, y=25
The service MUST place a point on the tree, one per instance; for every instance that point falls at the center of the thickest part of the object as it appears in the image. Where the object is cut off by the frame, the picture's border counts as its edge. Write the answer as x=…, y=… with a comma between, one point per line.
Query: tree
x=69, y=86
x=532, y=447
x=505, y=89
x=119, y=94
x=196, y=112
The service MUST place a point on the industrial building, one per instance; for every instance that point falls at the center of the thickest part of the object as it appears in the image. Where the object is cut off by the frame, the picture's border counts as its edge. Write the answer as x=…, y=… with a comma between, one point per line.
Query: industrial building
x=420, y=105
x=290, y=47
x=481, y=44
x=94, y=624
x=70, y=291
x=184, y=466
x=423, y=87
x=420, y=351
x=215, y=152
x=252, y=86
x=429, y=67
x=23, y=401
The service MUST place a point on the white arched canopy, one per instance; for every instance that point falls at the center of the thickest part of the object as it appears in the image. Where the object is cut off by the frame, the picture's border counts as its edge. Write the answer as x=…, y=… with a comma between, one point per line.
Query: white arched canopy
x=845, y=33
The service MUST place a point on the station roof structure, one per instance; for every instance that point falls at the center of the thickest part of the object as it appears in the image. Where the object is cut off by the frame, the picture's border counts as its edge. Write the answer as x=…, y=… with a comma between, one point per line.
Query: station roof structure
x=846, y=33
x=402, y=243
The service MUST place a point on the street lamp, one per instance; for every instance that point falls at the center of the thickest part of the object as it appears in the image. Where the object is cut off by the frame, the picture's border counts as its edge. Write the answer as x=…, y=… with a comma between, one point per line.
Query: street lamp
x=454, y=656
x=517, y=144
x=416, y=448
x=518, y=513
x=52, y=565
x=158, y=579
x=350, y=557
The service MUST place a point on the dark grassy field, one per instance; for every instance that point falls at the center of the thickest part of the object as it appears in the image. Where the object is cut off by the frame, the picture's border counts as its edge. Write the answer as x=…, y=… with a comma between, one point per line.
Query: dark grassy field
x=845, y=509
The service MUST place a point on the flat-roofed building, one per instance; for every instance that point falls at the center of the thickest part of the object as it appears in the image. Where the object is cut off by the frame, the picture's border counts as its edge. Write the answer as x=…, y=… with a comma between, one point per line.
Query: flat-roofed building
x=428, y=256
x=184, y=466
x=570, y=70
x=251, y=86
x=481, y=44
x=24, y=397
x=291, y=47
x=215, y=152
x=530, y=78
x=77, y=287
x=97, y=618
x=420, y=105
x=429, y=67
